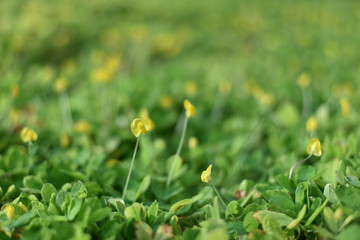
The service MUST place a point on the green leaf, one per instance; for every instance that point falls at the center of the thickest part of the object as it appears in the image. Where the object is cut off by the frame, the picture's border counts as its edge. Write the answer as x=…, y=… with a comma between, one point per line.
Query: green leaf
x=353, y=180
x=282, y=202
x=329, y=192
x=297, y=220
x=143, y=231
x=233, y=208
x=348, y=196
x=349, y=233
x=330, y=219
x=46, y=191
x=180, y=204
x=250, y=222
x=33, y=183
x=144, y=185
x=152, y=211
x=316, y=213
x=282, y=219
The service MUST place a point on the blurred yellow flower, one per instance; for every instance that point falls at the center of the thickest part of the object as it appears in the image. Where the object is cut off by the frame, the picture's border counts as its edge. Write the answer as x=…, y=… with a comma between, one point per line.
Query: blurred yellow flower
x=303, y=80
x=191, y=88
x=15, y=91
x=311, y=124
x=28, y=135
x=190, y=109
x=314, y=147
x=138, y=127
x=9, y=211
x=102, y=75
x=166, y=101
x=82, y=127
x=206, y=175
x=149, y=123
x=193, y=142
x=64, y=140
x=345, y=106
x=60, y=84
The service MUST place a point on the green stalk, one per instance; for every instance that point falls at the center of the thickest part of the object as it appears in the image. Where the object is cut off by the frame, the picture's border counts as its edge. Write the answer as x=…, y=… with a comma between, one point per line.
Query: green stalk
x=131, y=167
x=177, y=154
x=221, y=199
x=296, y=164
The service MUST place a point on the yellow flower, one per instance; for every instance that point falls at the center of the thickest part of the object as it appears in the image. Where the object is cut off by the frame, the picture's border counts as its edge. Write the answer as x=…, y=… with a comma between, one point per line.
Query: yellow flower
x=64, y=140
x=166, y=101
x=82, y=126
x=225, y=87
x=138, y=127
x=149, y=123
x=304, y=80
x=193, y=142
x=345, y=106
x=60, y=84
x=311, y=124
x=9, y=211
x=15, y=91
x=206, y=175
x=28, y=135
x=190, y=109
x=314, y=147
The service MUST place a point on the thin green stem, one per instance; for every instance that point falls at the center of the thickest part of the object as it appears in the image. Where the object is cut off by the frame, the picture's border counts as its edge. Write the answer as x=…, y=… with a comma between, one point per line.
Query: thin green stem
x=177, y=154
x=298, y=163
x=221, y=199
x=131, y=167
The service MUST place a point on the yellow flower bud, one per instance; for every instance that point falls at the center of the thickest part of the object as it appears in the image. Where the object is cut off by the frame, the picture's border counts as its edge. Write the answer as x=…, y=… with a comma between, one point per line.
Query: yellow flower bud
x=60, y=84
x=28, y=135
x=303, y=80
x=345, y=106
x=314, y=147
x=206, y=175
x=311, y=124
x=9, y=211
x=138, y=127
x=190, y=109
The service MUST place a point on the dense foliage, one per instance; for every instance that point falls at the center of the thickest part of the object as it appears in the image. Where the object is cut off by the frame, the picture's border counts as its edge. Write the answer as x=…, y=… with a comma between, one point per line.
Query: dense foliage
x=264, y=78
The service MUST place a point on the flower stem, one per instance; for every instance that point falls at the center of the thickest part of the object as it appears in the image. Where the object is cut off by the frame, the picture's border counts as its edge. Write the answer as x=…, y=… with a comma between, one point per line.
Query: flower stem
x=177, y=154
x=298, y=163
x=222, y=201
x=131, y=167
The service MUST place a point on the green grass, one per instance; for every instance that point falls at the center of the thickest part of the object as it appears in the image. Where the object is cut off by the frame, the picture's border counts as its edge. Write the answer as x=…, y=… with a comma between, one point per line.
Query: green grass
x=237, y=62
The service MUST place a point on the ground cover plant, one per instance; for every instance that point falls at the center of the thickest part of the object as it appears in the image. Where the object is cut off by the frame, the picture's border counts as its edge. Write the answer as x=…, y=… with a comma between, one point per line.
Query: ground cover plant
x=179, y=120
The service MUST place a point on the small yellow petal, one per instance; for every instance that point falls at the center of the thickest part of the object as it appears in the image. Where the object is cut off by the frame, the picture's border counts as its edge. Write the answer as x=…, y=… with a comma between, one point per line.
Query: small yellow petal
x=138, y=127
x=9, y=211
x=206, y=175
x=190, y=109
x=311, y=124
x=28, y=135
x=314, y=147
x=149, y=123
x=345, y=106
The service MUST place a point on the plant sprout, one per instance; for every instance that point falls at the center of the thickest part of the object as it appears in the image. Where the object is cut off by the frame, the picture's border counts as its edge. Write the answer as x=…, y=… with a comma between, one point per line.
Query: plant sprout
x=313, y=148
